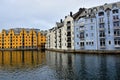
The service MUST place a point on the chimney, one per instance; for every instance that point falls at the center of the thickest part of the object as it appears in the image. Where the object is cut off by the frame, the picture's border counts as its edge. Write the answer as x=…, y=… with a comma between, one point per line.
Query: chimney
x=71, y=14
x=65, y=16
x=61, y=21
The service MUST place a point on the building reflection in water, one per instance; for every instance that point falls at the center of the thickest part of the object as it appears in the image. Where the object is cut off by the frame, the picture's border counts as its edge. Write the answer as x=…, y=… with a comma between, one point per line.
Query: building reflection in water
x=21, y=58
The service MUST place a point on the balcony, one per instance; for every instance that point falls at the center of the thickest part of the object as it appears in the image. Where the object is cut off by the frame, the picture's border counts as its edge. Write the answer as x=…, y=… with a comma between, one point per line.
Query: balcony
x=68, y=24
x=68, y=35
x=81, y=29
x=116, y=27
x=115, y=35
x=103, y=47
x=115, y=20
x=101, y=22
x=82, y=47
x=102, y=36
x=117, y=46
x=68, y=29
x=102, y=29
x=59, y=36
x=82, y=38
x=69, y=41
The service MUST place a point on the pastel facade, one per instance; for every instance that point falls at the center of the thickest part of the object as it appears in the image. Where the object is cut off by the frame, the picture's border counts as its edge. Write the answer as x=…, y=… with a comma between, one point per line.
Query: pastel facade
x=62, y=35
x=102, y=33
x=20, y=38
x=96, y=28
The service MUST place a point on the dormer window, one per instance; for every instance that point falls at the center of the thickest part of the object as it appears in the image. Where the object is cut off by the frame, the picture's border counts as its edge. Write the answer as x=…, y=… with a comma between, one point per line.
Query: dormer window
x=114, y=6
x=115, y=11
x=101, y=8
x=101, y=14
x=90, y=11
x=94, y=9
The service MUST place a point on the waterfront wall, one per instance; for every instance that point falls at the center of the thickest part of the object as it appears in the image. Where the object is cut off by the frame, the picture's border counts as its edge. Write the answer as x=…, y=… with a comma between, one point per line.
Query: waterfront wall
x=86, y=51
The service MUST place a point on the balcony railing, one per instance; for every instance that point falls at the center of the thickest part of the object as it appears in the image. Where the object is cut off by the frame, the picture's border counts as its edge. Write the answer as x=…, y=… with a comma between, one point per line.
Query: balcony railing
x=116, y=27
x=68, y=24
x=101, y=22
x=102, y=36
x=68, y=35
x=117, y=46
x=114, y=20
x=82, y=38
x=68, y=29
x=68, y=40
x=81, y=29
x=115, y=35
x=103, y=47
x=82, y=47
x=101, y=28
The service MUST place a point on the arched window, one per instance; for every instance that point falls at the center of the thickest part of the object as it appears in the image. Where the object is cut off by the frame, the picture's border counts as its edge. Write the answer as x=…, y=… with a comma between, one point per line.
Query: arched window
x=94, y=9
x=89, y=10
x=115, y=11
x=101, y=8
x=114, y=6
x=101, y=14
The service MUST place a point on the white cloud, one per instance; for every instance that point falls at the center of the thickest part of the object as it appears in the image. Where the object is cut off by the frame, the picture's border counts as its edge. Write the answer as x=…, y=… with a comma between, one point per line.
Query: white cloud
x=40, y=13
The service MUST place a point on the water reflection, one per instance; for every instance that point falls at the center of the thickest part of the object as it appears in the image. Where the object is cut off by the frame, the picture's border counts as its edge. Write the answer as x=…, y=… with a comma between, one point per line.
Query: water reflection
x=36, y=65
x=84, y=66
x=21, y=58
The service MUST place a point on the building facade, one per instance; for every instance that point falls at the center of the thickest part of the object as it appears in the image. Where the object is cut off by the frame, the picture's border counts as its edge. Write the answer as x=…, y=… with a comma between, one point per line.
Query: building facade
x=62, y=35
x=96, y=28
x=20, y=38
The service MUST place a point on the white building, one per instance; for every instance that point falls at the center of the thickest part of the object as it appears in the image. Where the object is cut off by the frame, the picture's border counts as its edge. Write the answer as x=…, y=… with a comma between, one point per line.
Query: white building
x=96, y=28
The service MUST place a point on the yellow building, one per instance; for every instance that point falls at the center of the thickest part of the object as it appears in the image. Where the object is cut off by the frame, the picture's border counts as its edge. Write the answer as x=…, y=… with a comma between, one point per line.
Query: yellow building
x=21, y=38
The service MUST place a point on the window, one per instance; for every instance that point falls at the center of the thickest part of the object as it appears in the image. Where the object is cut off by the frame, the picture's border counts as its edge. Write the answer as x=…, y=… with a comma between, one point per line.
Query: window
x=92, y=34
x=101, y=20
x=117, y=42
x=77, y=36
x=91, y=20
x=115, y=17
x=114, y=6
x=76, y=29
x=86, y=35
x=102, y=42
x=101, y=8
x=101, y=14
x=81, y=44
x=102, y=34
x=109, y=32
x=92, y=43
x=117, y=32
x=115, y=11
x=89, y=43
x=116, y=23
x=81, y=35
x=109, y=42
x=91, y=27
x=77, y=43
x=86, y=43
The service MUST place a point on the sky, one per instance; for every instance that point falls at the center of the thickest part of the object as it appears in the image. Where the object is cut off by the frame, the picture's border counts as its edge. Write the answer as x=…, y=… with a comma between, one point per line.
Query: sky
x=41, y=14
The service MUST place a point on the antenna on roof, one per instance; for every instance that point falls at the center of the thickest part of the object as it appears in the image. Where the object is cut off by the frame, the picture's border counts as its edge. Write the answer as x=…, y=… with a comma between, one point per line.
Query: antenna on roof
x=105, y=4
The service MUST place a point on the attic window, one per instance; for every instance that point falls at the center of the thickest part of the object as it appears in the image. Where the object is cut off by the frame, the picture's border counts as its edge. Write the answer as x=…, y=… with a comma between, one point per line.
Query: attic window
x=101, y=8
x=101, y=13
x=95, y=9
x=115, y=11
x=90, y=10
x=114, y=6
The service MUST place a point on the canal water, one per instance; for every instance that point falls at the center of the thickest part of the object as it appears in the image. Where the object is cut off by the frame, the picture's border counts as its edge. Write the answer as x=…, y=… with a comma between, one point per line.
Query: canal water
x=37, y=65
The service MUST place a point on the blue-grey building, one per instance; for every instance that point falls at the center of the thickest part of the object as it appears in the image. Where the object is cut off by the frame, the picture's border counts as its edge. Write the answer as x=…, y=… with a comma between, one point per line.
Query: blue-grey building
x=98, y=28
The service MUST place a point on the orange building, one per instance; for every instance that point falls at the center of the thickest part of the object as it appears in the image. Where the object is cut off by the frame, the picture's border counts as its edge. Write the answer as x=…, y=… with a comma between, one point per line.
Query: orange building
x=21, y=38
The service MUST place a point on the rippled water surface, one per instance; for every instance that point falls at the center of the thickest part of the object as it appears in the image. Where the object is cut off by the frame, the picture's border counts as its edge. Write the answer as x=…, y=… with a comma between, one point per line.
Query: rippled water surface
x=36, y=65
